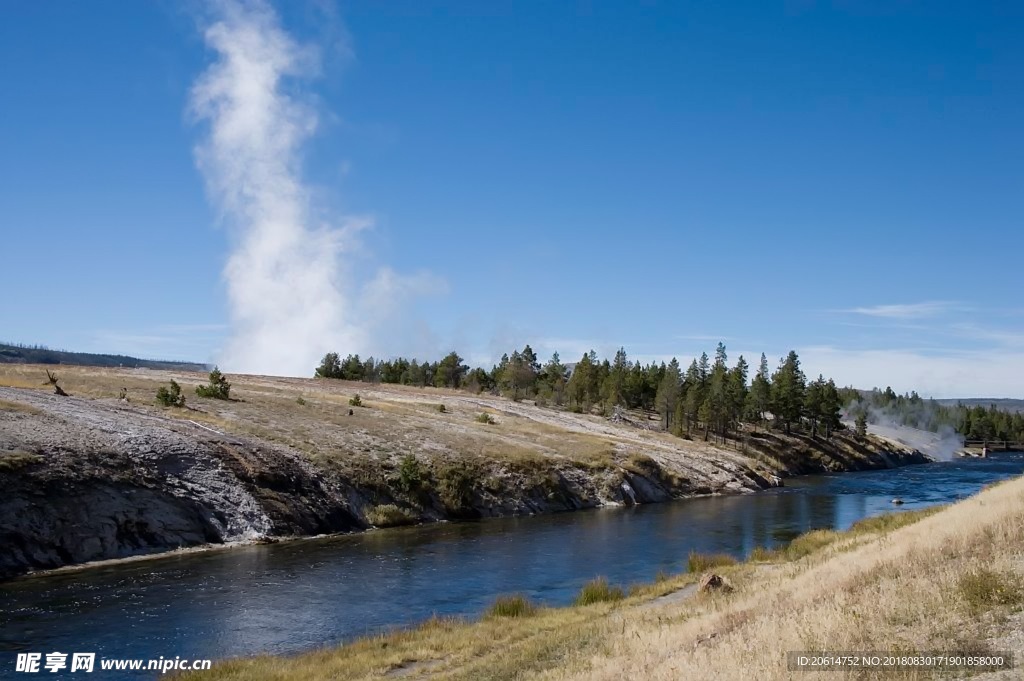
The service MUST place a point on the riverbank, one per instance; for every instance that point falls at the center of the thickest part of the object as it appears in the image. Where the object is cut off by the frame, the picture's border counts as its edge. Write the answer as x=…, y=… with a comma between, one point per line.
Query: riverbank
x=292, y=457
x=948, y=580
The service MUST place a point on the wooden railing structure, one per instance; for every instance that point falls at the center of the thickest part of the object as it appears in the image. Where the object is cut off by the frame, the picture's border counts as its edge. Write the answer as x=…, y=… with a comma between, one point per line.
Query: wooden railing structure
x=995, y=445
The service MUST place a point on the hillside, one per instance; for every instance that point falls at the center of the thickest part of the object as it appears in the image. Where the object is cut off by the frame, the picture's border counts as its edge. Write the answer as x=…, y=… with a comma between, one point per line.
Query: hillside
x=23, y=354
x=291, y=457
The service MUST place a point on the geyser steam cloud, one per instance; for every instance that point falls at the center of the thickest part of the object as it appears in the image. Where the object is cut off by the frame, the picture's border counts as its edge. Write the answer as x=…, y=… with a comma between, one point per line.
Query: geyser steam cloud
x=283, y=276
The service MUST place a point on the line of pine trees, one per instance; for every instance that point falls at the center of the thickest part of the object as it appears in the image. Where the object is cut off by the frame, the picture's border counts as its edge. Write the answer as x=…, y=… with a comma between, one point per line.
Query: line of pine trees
x=709, y=398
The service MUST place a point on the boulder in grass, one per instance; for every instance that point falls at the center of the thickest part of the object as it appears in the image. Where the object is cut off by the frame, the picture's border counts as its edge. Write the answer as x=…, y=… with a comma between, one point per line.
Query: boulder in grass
x=713, y=582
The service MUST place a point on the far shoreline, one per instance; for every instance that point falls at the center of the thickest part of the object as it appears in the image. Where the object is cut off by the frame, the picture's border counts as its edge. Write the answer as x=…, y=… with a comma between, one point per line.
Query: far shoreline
x=201, y=549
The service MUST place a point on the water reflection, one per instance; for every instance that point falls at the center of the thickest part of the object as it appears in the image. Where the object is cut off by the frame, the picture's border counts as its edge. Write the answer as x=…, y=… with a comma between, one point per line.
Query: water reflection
x=291, y=597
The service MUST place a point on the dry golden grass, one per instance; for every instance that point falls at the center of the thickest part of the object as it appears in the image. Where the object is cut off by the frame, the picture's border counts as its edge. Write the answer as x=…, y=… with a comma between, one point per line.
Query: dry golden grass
x=17, y=459
x=7, y=405
x=702, y=562
x=389, y=515
x=908, y=582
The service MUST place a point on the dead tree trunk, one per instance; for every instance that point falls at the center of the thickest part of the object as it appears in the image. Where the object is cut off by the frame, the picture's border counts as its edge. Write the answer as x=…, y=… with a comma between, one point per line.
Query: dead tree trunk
x=52, y=380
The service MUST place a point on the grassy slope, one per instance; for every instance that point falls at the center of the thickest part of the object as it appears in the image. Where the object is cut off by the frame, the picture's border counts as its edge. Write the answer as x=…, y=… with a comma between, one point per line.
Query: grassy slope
x=399, y=420
x=949, y=581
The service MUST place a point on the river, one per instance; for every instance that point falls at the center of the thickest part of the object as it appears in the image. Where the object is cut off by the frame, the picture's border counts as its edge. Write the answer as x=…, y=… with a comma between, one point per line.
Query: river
x=293, y=596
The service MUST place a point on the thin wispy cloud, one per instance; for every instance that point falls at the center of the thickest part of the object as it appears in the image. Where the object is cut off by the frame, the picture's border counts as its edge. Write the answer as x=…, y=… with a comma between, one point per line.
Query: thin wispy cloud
x=710, y=338
x=908, y=310
x=1003, y=337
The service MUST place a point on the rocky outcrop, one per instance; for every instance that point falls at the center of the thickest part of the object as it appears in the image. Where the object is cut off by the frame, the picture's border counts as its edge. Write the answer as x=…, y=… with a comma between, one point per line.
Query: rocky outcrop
x=107, y=481
x=87, y=480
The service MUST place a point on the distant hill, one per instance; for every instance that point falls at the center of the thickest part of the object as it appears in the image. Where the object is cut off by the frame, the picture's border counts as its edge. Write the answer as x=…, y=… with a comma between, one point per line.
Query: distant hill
x=1001, y=403
x=24, y=354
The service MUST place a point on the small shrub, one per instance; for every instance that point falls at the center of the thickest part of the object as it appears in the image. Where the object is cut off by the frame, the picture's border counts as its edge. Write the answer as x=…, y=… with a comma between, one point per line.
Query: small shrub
x=701, y=562
x=301, y=401
x=598, y=591
x=642, y=464
x=217, y=389
x=389, y=515
x=441, y=408
x=355, y=401
x=484, y=417
x=410, y=474
x=455, y=488
x=515, y=605
x=171, y=397
x=984, y=588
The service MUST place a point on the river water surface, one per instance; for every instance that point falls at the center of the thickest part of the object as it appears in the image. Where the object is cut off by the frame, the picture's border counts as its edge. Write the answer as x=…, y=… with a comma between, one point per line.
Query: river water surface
x=290, y=597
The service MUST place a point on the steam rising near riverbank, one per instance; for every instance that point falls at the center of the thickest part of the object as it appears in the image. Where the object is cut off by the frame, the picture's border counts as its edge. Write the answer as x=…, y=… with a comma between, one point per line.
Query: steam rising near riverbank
x=943, y=445
x=288, y=285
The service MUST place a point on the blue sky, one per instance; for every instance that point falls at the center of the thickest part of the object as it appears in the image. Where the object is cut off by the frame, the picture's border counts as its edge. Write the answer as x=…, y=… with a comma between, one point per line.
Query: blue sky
x=839, y=178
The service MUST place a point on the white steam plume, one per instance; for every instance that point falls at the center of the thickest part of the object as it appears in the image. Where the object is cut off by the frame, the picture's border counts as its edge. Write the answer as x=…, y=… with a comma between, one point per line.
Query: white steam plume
x=284, y=281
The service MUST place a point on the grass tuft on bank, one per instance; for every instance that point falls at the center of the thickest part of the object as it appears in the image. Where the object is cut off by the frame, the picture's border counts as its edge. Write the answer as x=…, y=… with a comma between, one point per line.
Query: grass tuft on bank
x=515, y=605
x=598, y=590
x=389, y=515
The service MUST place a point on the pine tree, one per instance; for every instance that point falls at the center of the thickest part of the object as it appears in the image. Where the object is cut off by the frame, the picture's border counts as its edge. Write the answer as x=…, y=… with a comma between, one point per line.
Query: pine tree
x=694, y=396
x=351, y=368
x=577, y=385
x=635, y=386
x=679, y=419
x=668, y=394
x=718, y=393
x=862, y=424
x=450, y=371
x=330, y=366
x=171, y=397
x=218, y=388
x=417, y=375
x=788, y=387
x=517, y=376
x=760, y=391
x=553, y=374
x=831, y=409
x=814, y=403
x=737, y=392
x=530, y=358
x=614, y=388
x=653, y=376
x=595, y=378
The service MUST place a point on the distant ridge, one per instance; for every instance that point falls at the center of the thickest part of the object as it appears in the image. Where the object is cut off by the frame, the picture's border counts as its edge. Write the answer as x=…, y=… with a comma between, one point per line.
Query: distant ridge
x=1001, y=403
x=27, y=354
